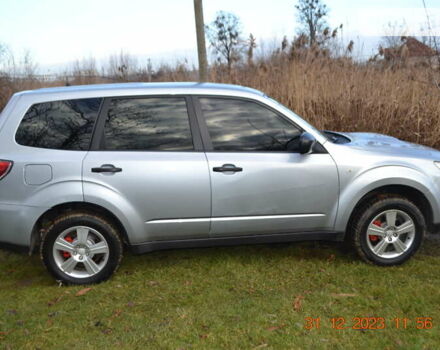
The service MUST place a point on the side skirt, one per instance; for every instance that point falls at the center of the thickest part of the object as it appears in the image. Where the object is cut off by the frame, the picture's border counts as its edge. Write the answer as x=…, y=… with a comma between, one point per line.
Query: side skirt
x=240, y=240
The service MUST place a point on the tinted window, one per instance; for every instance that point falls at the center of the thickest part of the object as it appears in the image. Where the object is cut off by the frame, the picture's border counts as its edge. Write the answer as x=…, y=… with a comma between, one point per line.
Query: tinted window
x=237, y=125
x=64, y=125
x=149, y=124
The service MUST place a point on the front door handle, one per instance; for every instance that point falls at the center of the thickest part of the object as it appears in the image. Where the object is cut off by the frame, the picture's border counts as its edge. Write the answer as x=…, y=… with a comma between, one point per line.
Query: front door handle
x=106, y=168
x=227, y=168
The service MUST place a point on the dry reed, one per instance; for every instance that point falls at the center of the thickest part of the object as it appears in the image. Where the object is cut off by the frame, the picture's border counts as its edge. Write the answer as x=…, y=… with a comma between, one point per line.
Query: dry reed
x=333, y=94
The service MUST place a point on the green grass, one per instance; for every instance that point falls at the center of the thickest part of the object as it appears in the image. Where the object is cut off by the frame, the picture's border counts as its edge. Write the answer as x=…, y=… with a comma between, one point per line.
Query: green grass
x=230, y=298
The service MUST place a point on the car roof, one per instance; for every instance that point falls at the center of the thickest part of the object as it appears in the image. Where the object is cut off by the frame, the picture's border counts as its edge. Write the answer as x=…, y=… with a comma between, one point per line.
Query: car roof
x=122, y=89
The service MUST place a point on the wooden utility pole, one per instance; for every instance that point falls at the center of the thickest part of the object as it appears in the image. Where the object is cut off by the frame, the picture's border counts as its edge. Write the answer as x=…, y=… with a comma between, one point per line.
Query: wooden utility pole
x=201, y=46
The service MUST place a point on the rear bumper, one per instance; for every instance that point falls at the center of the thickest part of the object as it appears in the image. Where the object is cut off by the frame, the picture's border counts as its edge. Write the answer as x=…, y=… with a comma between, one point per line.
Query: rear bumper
x=17, y=223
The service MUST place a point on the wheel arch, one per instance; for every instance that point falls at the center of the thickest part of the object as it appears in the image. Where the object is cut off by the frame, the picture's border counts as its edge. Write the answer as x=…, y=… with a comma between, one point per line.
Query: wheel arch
x=48, y=216
x=409, y=192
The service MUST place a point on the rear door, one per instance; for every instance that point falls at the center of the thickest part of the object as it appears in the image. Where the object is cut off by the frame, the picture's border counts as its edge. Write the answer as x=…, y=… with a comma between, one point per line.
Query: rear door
x=260, y=183
x=147, y=154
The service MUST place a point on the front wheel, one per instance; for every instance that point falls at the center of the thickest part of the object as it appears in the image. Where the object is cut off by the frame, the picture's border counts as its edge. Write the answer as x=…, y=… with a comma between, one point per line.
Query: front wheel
x=81, y=248
x=388, y=231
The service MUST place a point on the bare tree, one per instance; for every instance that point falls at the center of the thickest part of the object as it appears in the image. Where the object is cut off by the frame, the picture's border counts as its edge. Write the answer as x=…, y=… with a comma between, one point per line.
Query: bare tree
x=28, y=66
x=224, y=35
x=122, y=66
x=86, y=67
x=8, y=64
x=252, y=45
x=2, y=51
x=311, y=15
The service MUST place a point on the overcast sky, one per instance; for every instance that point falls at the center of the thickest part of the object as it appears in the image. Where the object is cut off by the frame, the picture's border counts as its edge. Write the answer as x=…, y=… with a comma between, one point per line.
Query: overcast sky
x=60, y=31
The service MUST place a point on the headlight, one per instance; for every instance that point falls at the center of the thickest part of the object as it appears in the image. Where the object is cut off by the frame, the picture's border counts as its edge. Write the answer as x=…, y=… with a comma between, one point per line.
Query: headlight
x=437, y=164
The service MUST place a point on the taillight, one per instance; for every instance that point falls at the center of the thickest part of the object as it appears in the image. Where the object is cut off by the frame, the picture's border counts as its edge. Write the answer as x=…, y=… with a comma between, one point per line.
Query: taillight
x=5, y=167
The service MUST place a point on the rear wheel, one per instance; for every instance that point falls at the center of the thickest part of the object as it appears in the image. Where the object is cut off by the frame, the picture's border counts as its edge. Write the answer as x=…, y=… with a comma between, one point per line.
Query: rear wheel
x=81, y=248
x=388, y=231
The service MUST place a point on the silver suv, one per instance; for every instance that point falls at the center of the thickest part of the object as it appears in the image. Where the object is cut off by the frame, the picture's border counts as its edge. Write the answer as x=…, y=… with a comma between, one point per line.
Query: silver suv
x=157, y=166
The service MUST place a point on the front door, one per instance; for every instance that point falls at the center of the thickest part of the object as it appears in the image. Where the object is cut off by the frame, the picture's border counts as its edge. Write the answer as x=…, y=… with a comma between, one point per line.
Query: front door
x=260, y=184
x=147, y=167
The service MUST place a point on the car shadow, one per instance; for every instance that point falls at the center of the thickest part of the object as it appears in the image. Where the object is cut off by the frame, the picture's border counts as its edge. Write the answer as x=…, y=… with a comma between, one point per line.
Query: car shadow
x=316, y=252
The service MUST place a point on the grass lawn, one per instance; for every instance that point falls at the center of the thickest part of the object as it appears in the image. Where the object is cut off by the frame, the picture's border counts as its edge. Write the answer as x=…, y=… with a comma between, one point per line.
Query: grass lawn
x=249, y=297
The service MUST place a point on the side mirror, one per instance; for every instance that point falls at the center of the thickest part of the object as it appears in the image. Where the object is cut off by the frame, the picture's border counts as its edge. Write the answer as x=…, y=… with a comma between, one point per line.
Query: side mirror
x=306, y=143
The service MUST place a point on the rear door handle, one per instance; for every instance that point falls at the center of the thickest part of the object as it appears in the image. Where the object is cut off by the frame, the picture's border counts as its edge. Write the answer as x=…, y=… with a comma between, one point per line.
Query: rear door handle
x=227, y=168
x=106, y=168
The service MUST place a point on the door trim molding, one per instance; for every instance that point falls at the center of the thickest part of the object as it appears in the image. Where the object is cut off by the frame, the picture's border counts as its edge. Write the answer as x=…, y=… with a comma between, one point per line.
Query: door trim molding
x=232, y=218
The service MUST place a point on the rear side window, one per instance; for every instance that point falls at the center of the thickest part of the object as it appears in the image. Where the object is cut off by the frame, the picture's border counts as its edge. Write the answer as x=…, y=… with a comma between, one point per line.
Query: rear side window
x=148, y=124
x=62, y=125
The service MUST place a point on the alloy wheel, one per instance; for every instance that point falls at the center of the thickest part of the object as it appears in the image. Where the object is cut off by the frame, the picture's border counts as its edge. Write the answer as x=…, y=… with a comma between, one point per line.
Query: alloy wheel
x=80, y=252
x=390, y=234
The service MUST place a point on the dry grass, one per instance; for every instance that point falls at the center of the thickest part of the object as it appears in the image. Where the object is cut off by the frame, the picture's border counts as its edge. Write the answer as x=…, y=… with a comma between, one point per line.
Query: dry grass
x=331, y=94
x=339, y=95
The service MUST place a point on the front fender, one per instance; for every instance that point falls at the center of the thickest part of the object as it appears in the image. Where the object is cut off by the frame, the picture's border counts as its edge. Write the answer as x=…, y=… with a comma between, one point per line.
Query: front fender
x=378, y=177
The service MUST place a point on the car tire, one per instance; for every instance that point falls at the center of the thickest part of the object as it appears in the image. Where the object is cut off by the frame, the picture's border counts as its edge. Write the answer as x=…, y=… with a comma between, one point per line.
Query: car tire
x=388, y=230
x=81, y=248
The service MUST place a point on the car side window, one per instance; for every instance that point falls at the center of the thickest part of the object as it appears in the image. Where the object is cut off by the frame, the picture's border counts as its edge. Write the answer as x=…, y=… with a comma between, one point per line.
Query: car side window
x=62, y=125
x=148, y=124
x=246, y=126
